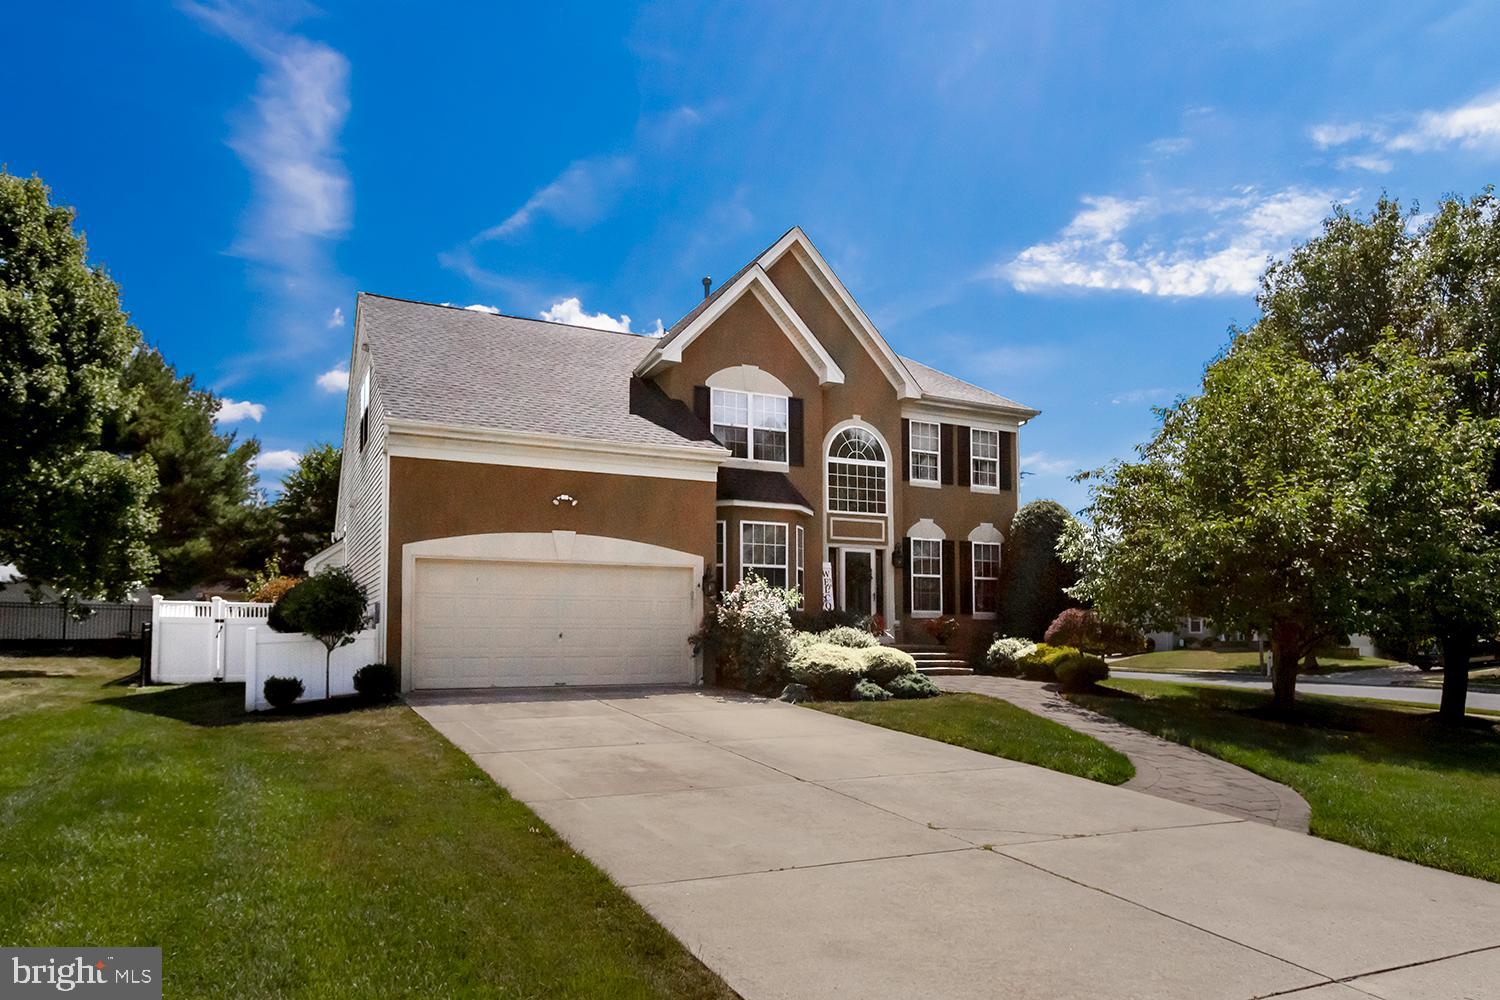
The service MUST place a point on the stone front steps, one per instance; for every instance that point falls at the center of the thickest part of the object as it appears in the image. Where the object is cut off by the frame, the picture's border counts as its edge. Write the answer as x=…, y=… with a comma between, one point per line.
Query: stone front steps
x=936, y=661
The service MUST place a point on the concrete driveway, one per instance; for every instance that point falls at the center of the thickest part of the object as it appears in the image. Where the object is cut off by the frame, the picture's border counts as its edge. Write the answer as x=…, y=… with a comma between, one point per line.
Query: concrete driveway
x=803, y=855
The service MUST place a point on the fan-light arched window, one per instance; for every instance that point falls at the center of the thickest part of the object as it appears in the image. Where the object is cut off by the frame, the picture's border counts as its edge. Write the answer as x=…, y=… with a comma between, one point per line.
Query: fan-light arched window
x=856, y=473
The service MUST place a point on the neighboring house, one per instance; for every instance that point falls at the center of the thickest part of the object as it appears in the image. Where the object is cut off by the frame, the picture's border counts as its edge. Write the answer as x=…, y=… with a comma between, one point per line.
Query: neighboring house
x=1192, y=630
x=530, y=503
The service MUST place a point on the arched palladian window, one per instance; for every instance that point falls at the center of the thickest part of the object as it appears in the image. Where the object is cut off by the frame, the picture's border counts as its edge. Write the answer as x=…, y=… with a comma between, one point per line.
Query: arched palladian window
x=856, y=473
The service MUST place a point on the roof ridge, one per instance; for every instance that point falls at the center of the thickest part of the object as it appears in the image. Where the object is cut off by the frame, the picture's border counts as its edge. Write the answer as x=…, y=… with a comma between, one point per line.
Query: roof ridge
x=499, y=314
x=948, y=374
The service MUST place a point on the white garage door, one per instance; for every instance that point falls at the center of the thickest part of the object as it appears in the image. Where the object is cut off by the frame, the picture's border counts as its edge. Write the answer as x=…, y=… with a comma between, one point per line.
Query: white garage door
x=516, y=624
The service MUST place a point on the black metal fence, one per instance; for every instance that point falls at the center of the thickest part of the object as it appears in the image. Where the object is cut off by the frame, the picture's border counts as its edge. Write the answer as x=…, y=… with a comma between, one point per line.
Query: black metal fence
x=23, y=621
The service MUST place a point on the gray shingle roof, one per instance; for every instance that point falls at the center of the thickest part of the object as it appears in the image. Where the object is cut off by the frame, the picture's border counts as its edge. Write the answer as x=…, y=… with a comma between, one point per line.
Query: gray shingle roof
x=944, y=386
x=758, y=486
x=459, y=366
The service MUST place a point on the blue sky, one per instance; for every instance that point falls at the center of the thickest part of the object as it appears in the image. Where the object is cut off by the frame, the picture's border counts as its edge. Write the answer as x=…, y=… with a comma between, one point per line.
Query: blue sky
x=1067, y=203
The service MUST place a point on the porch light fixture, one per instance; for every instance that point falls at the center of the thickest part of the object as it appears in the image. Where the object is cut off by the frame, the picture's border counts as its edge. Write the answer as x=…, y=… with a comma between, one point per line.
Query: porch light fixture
x=563, y=498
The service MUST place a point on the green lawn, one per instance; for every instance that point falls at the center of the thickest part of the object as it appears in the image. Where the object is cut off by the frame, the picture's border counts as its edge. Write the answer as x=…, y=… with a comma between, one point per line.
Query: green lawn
x=1384, y=778
x=1180, y=661
x=996, y=727
x=347, y=854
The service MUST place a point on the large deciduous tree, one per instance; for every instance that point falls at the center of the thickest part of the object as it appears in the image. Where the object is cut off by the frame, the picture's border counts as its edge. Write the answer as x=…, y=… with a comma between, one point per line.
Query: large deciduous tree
x=305, y=509
x=1241, y=508
x=213, y=523
x=1036, y=577
x=1436, y=288
x=74, y=516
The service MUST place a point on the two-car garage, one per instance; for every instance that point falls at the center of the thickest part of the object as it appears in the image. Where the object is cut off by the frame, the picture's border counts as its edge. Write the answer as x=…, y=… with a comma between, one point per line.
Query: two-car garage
x=544, y=609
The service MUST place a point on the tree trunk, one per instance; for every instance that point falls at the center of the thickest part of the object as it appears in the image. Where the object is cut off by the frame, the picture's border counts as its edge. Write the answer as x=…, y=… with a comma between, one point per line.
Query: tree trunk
x=1457, y=647
x=327, y=672
x=1286, y=651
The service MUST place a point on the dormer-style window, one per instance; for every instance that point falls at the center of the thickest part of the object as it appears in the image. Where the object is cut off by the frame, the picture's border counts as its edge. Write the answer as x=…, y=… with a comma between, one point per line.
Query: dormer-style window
x=751, y=424
x=925, y=453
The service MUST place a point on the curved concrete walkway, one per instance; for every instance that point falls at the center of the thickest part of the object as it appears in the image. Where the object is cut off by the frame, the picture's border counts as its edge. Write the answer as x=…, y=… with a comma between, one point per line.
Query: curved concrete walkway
x=1162, y=768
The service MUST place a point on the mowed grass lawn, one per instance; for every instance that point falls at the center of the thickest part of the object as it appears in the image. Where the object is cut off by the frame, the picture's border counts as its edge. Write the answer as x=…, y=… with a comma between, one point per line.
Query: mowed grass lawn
x=1177, y=661
x=350, y=854
x=1387, y=779
x=992, y=726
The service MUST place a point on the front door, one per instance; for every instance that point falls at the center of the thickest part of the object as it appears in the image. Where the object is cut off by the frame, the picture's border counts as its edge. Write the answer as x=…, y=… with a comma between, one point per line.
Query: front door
x=859, y=580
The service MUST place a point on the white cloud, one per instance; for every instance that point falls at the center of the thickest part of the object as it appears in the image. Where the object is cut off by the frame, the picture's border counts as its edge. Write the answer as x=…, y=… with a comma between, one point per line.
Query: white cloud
x=337, y=317
x=1171, y=146
x=1366, y=161
x=277, y=461
x=577, y=197
x=1188, y=245
x=1336, y=133
x=287, y=137
x=1141, y=396
x=232, y=412
x=571, y=312
x=1042, y=464
x=336, y=379
x=481, y=308
x=1474, y=124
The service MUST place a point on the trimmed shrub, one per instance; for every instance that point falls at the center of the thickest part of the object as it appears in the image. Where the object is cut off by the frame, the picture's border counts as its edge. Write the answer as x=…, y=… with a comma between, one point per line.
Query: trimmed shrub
x=870, y=691
x=282, y=692
x=1003, y=656
x=1082, y=629
x=828, y=671
x=1081, y=672
x=884, y=664
x=376, y=682
x=913, y=686
x=1040, y=664
x=848, y=635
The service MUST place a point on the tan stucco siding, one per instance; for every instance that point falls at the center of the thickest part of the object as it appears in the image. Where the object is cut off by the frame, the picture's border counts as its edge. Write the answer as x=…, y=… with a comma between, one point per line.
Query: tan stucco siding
x=441, y=499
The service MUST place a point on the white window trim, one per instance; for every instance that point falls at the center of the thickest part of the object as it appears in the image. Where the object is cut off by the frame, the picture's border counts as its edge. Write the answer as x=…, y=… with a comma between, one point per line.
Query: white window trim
x=1198, y=629
x=750, y=461
x=746, y=564
x=974, y=579
x=884, y=465
x=912, y=450
x=974, y=459
x=913, y=574
x=721, y=550
x=801, y=556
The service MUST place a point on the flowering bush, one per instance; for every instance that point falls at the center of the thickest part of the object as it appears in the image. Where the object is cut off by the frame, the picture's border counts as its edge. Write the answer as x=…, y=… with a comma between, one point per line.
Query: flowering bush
x=941, y=629
x=846, y=635
x=1004, y=655
x=748, y=634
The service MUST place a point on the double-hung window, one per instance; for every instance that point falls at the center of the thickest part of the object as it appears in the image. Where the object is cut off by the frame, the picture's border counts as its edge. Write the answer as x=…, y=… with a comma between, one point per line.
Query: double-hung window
x=801, y=557
x=925, y=452
x=763, y=551
x=751, y=424
x=1195, y=626
x=984, y=458
x=721, y=553
x=856, y=473
x=986, y=578
x=926, y=576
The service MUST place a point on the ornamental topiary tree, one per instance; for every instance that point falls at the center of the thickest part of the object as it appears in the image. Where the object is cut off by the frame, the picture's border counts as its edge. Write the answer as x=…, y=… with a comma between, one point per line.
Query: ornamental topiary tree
x=330, y=607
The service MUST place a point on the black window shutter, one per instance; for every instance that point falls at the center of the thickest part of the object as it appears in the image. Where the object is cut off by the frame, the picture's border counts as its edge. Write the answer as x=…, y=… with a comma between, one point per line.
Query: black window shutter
x=905, y=451
x=950, y=578
x=964, y=437
x=701, y=404
x=1007, y=460
x=794, y=431
x=965, y=577
x=906, y=588
x=945, y=459
x=879, y=583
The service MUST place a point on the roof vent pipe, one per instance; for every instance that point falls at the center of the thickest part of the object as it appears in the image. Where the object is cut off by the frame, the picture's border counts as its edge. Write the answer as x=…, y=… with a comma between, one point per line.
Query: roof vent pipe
x=707, y=284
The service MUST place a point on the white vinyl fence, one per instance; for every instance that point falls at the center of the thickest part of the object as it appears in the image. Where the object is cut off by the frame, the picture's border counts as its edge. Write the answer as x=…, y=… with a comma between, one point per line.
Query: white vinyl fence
x=196, y=641
x=275, y=654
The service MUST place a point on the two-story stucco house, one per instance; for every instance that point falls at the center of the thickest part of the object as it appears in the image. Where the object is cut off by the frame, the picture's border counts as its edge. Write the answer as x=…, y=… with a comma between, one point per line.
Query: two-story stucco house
x=531, y=503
